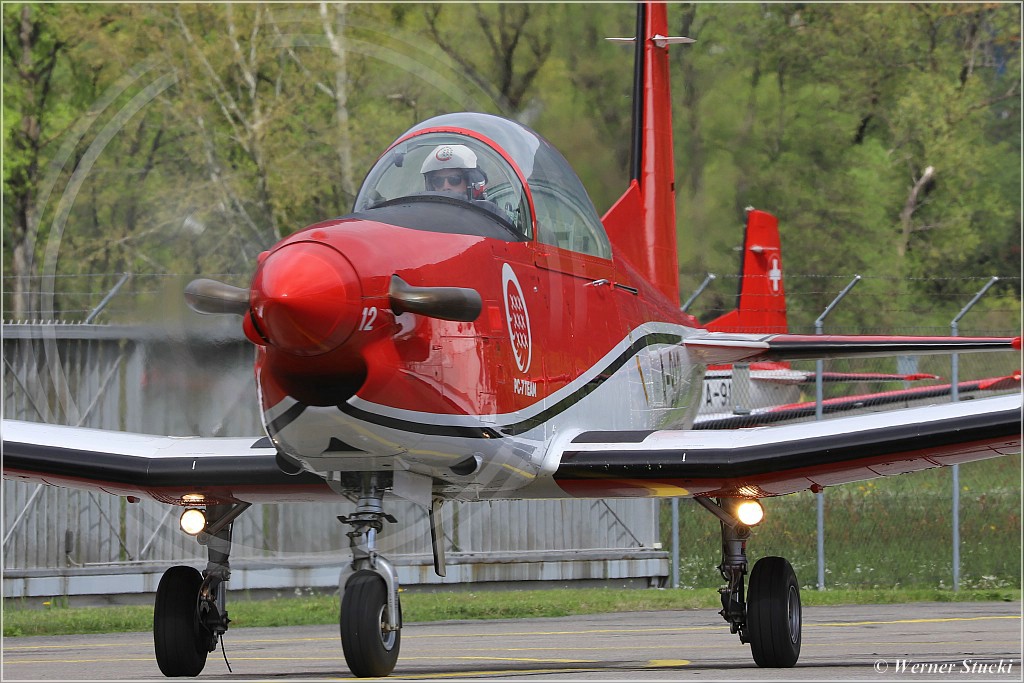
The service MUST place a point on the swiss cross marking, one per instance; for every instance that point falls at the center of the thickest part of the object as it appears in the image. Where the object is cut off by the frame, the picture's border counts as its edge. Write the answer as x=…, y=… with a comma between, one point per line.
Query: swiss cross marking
x=775, y=275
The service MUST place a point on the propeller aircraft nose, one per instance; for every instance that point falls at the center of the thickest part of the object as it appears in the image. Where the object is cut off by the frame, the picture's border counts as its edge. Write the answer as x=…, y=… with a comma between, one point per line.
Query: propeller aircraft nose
x=305, y=299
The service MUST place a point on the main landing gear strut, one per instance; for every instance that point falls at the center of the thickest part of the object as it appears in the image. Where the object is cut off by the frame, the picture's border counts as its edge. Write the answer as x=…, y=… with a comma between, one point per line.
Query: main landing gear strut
x=190, y=616
x=371, y=615
x=770, y=619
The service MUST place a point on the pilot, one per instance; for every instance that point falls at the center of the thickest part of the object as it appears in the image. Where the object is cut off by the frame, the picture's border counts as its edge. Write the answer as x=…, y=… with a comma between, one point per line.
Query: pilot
x=453, y=169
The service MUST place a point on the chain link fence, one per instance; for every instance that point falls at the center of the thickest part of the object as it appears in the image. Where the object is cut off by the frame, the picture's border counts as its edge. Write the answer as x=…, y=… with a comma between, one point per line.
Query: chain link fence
x=879, y=533
x=887, y=532
x=159, y=380
x=883, y=533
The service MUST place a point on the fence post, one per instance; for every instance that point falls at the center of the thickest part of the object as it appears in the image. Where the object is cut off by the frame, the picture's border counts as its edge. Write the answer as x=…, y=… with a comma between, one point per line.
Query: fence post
x=819, y=369
x=954, y=392
x=819, y=366
x=697, y=292
x=110, y=295
x=675, y=542
x=954, y=329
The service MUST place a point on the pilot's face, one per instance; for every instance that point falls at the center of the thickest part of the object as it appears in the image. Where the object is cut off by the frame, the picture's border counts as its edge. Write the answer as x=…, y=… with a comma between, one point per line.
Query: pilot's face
x=451, y=180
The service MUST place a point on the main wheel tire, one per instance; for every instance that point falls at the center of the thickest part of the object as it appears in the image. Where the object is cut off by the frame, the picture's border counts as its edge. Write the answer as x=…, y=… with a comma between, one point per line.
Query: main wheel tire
x=773, y=613
x=369, y=649
x=181, y=648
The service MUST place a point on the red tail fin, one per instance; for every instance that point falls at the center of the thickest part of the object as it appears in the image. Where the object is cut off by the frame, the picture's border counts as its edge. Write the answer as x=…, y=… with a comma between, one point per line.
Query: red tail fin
x=642, y=224
x=762, y=297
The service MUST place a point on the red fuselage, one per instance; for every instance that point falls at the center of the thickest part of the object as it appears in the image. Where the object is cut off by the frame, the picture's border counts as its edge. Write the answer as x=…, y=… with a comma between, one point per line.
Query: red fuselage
x=556, y=318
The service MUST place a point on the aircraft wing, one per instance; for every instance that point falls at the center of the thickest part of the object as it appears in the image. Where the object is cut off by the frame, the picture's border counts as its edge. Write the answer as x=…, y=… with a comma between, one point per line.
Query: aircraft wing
x=868, y=377
x=807, y=377
x=723, y=347
x=163, y=468
x=906, y=397
x=776, y=460
x=772, y=372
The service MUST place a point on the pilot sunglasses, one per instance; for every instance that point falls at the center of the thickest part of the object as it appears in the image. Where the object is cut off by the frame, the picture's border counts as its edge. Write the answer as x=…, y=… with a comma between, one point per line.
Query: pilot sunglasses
x=437, y=182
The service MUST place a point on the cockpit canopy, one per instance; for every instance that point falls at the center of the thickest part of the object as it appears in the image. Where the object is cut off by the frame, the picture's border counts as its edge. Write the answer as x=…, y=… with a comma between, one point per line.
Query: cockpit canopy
x=552, y=206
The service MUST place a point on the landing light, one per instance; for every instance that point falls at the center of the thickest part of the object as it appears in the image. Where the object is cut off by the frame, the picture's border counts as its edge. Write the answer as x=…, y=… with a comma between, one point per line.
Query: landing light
x=750, y=512
x=192, y=521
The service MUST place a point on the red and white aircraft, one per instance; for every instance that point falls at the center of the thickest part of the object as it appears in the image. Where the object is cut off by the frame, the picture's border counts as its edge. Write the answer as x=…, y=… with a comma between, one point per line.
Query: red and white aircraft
x=731, y=395
x=504, y=342
x=754, y=394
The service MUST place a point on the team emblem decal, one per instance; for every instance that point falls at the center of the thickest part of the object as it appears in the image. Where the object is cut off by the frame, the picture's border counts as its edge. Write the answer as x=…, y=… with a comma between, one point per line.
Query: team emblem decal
x=444, y=153
x=518, y=319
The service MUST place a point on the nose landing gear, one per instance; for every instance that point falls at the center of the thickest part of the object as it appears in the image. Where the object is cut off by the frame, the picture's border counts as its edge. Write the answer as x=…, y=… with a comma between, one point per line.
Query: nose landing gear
x=371, y=615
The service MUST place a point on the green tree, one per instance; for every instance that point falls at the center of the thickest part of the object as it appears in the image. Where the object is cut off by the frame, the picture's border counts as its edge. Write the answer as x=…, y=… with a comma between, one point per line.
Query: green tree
x=170, y=138
x=32, y=51
x=502, y=49
x=831, y=116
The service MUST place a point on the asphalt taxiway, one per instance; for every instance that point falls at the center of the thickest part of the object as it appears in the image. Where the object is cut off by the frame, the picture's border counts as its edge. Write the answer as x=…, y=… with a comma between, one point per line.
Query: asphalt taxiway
x=919, y=641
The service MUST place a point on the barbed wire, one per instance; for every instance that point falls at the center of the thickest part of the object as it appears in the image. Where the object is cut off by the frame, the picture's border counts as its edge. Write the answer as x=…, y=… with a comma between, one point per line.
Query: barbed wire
x=75, y=295
x=819, y=275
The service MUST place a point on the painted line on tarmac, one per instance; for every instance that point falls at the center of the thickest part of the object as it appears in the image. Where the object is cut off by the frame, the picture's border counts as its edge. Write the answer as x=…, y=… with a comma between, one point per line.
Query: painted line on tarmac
x=902, y=642
x=716, y=628
x=497, y=672
x=148, y=642
x=931, y=620
x=151, y=658
x=652, y=664
x=565, y=647
x=581, y=632
x=83, y=646
x=504, y=634
x=476, y=658
x=239, y=638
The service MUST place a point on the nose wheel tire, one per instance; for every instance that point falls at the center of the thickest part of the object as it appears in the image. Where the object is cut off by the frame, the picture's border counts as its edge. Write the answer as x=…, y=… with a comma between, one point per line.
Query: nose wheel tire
x=370, y=648
x=774, y=613
x=181, y=643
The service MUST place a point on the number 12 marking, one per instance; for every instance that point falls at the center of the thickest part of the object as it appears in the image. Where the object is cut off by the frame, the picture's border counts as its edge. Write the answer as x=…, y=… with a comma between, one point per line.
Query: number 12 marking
x=369, y=316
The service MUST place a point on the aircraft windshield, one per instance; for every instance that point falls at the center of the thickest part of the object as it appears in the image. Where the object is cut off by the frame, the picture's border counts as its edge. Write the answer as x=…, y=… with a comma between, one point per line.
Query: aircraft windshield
x=565, y=216
x=445, y=166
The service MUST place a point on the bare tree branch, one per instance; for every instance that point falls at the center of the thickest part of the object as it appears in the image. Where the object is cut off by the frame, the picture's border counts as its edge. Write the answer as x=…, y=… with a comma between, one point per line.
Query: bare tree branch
x=336, y=42
x=907, y=214
x=504, y=34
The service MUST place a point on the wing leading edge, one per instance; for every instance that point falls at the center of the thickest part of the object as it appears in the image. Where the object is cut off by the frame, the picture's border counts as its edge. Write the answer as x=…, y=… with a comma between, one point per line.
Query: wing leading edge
x=169, y=469
x=722, y=347
x=794, y=411
x=768, y=461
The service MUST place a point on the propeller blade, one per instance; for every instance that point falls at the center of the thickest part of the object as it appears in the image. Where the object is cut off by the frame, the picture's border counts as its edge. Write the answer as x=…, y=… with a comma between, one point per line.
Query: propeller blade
x=210, y=296
x=447, y=303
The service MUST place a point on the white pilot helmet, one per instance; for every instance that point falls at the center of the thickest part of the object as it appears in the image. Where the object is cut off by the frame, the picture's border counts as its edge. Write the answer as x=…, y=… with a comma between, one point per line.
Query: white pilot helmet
x=449, y=156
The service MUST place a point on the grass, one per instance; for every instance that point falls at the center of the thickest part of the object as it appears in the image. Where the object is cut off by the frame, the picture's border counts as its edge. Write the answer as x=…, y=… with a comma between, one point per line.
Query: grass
x=29, y=620
x=880, y=533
